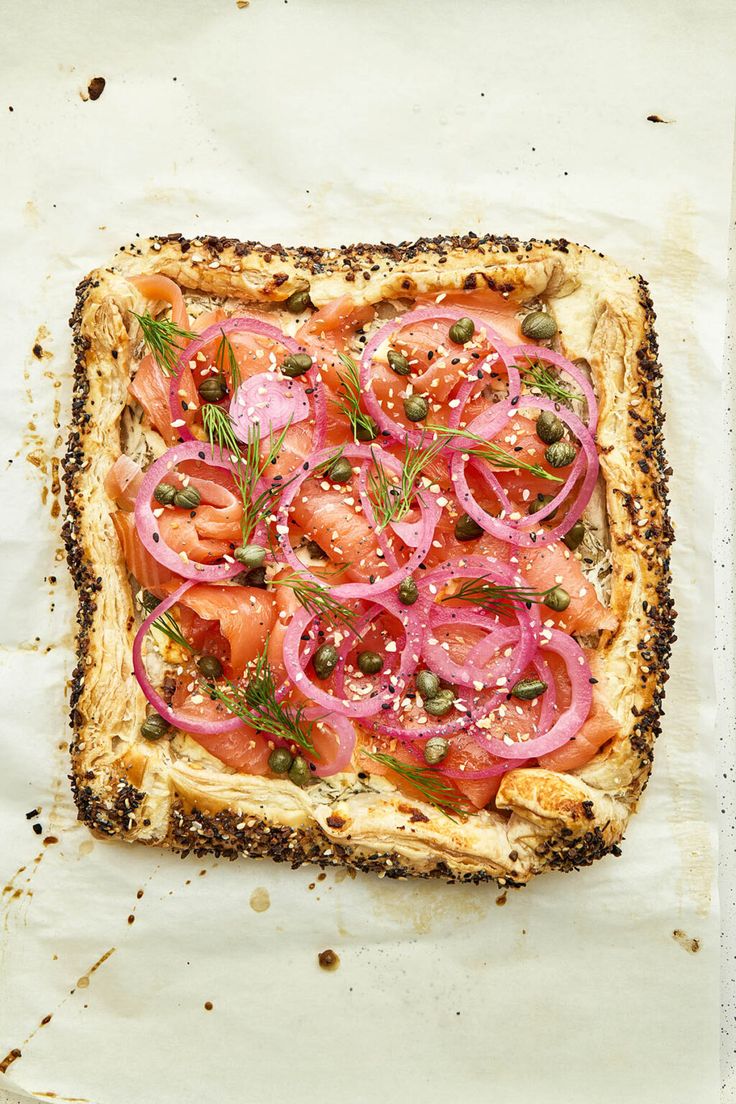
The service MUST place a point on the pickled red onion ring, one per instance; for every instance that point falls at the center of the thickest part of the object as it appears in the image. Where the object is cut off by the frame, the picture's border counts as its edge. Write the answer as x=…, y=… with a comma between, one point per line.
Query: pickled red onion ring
x=269, y=402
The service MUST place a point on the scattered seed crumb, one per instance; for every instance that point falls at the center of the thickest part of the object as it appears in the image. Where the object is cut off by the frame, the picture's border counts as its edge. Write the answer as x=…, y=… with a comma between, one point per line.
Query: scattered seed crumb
x=208, y=1005
x=96, y=87
x=328, y=960
x=37, y=829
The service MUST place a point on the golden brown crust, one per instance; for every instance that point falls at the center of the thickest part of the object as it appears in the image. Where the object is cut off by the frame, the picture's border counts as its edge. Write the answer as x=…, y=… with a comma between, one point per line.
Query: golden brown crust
x=177, y=795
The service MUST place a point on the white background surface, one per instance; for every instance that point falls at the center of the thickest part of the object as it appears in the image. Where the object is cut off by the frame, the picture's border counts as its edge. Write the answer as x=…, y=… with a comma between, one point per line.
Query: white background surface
x=332, y=122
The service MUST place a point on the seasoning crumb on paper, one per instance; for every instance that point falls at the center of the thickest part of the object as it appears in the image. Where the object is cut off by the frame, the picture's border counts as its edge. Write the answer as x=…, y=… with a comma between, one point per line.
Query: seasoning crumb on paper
x=208, y=1006
x=96, y=87
x=328, y=960
x=658, y=119
x=692, y=946
x=260, y=899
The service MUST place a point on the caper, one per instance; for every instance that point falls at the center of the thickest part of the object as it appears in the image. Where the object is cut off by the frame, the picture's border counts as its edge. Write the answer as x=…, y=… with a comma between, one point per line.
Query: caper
x=539, y=503
x=416, y=407
x=154, y=727
x=366, y=428
x=462, y=330
x=557, y=599
x=149, y=601
x=250, y=555
x=561, y=454
x=370, y=663
x=408, y=591
x=296, y=365
x=441, y=703
x=325, y=661
x=280, y=760
x=539, y=326
x=299, y=771
x=398, y=363
x=435, y=750
x=427, y=684
x=574, y=536
x=298, y=301
x=209, y=666
x=549, y=427
x=165, y=494
x=341, y=471
x=466, y=529
x=528, y=688
x=213, y=389
x=188, y=498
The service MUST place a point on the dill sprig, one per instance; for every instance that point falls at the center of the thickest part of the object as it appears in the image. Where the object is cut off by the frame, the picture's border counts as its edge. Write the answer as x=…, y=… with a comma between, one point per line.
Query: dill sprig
x=218, y=425
x=256, y=705
x=494, y=454
x=432, y=786
x=546, y=382
x=163, y=338
x=225, y=352
x=249, y=468
x=496, y=598
x=391, y=498
x=319, y=601
x=349, y=401
x=168, y=625
x=331, y=459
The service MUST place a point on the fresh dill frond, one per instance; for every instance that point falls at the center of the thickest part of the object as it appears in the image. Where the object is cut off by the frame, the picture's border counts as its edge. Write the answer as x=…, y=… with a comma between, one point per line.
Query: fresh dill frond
x=331, y=459
x=391, y=498
x=541, y=379
x=226, y=354
x=256, y=705
x=164, y=340
x=433, y=787
x=496, y=598
x=168, y=625
x=495, y=455
x=349, y=400
x=220, y=431
x=319, y=601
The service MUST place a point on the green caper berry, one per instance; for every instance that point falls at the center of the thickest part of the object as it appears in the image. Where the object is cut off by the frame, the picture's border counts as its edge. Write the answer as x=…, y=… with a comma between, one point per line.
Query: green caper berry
x=213, y=389
x=280, y=760
x=575, y=536
x=154, y=727
x=398, y=363
x=250, y=555
x=296, y=365
x=462, y=330
x=341, y=471
x=408, y=591
x=149, y=601
x=549, y=427
x=466, y=529
x=187, y=499
x=539, y=326
x=416, y=408
x=427, y=684
x=299, y=771
x=561, y=454
x=209, y=666
x=298, y=301
x=527, y=689
x=366, y=429
x=325, y=661
x=165, y=494
x=370, y=663
x=435, y=750
x=440, y=704
x=539, y=503
x=557, y=599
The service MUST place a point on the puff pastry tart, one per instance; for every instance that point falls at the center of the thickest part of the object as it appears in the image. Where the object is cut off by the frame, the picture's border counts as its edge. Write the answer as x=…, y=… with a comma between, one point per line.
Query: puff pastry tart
x=371, y=548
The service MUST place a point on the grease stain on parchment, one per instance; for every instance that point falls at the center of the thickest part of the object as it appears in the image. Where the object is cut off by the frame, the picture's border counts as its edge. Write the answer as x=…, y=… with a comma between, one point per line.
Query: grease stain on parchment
x=424, y=909
x=260, y=899
x=692, y=946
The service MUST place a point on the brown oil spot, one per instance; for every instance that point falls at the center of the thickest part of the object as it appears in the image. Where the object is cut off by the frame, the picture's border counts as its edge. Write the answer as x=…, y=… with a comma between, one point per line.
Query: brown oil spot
x=202, y=873
x=49, y=841
x=502, y=898
x=12, y=1056
x=131, y=919
x=328, y=960
x=321, y=876
x=96, y=87
x=139, y=894
x=692, y=946
x=260, y=899
x=83, y=982
x=238, y=4
x=208, y=1006
x=312, y=885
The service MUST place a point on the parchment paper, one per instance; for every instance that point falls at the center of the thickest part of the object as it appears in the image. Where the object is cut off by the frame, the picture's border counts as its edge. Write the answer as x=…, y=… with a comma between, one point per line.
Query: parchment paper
x=330, y=122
